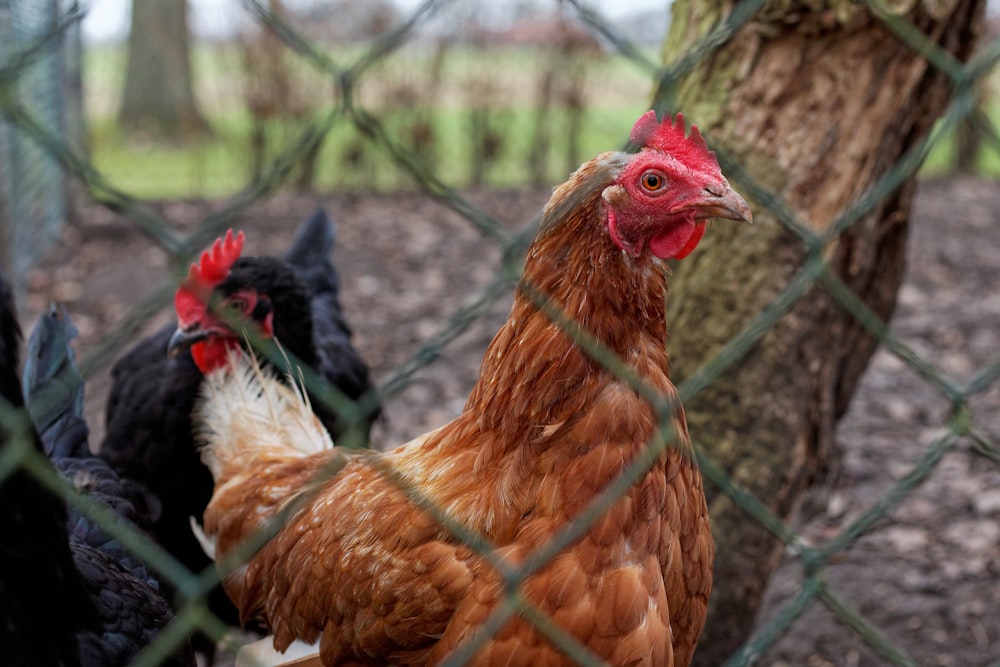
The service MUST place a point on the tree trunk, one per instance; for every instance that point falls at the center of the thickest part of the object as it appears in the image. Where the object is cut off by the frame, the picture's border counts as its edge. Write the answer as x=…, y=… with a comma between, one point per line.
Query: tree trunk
x=159, y=95
x=816, y=106
x=968, y=140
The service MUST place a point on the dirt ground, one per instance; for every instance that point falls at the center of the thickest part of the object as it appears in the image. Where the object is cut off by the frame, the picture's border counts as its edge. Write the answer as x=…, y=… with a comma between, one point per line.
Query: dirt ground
x=927, y=576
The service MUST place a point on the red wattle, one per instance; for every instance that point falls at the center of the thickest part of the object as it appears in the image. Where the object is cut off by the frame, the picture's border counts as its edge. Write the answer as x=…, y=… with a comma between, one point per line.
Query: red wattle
x=212, y=353
x=699, y=231
x=678, y=240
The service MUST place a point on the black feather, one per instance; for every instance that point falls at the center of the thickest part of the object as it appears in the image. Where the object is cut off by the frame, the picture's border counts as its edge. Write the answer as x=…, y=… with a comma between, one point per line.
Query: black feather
x=130, y=614
x=53, y=389
x=43, y=602
x=122, y=589
x=149, y=429
x=337, y=360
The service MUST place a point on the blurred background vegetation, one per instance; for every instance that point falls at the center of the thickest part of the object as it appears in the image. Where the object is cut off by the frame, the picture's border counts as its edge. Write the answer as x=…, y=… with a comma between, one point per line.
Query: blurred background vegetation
x=493, y=94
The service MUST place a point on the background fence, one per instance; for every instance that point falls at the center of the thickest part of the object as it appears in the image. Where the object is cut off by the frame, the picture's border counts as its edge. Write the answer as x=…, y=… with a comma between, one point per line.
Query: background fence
x=383, y=105
x=44, y=57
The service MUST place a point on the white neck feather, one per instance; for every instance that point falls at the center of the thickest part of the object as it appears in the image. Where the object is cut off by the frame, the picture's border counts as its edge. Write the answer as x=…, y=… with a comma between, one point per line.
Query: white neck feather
x=244, y=406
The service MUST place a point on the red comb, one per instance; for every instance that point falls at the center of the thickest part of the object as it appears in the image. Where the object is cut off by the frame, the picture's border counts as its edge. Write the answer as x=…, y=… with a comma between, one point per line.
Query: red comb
x=669, y=136
x=214, y=265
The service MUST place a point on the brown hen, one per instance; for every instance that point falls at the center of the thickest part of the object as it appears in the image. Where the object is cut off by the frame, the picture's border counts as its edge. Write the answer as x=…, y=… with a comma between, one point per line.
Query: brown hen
x=363, y=569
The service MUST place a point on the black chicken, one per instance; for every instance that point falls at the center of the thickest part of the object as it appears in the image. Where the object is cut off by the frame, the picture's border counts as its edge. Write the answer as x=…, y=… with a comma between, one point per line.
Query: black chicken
x=70, y=594
x=43, y=600
x=149, y=430
x=53, y=392
x=124, y=592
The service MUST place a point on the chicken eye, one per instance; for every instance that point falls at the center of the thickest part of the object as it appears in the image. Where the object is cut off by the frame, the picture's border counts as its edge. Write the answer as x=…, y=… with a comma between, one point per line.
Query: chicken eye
x=235, y=305
x=652, y=181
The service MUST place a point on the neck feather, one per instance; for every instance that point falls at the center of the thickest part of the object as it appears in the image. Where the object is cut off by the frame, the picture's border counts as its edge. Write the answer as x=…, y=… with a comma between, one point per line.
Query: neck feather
x=541, y=403
x=533, y=373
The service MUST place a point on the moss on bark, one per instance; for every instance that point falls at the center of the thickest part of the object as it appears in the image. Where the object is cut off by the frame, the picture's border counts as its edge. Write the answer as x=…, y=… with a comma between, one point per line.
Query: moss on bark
x=817, y=101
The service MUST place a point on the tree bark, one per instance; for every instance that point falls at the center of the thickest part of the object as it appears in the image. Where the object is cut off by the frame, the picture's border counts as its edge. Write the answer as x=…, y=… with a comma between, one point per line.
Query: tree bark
x=159, y=95
x=816, y=105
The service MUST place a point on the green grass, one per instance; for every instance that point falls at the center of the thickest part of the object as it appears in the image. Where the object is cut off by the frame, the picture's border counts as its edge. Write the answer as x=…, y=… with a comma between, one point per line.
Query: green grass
x=220, y=166
x=403, y=92
x=942, y=159
x=155, y=170
x=398, y=90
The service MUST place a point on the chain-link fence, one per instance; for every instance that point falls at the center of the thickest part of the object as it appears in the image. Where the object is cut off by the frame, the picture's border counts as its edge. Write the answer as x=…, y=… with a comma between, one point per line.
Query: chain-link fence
x=26, y=123
x=43, y=56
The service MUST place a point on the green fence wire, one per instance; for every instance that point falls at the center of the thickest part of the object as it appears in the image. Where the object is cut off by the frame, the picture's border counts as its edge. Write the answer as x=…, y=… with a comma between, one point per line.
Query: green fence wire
x=24, y=115
x=37, y=41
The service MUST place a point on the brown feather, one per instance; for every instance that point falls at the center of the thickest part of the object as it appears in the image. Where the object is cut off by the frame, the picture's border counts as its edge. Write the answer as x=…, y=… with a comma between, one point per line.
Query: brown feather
x=545, y=429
